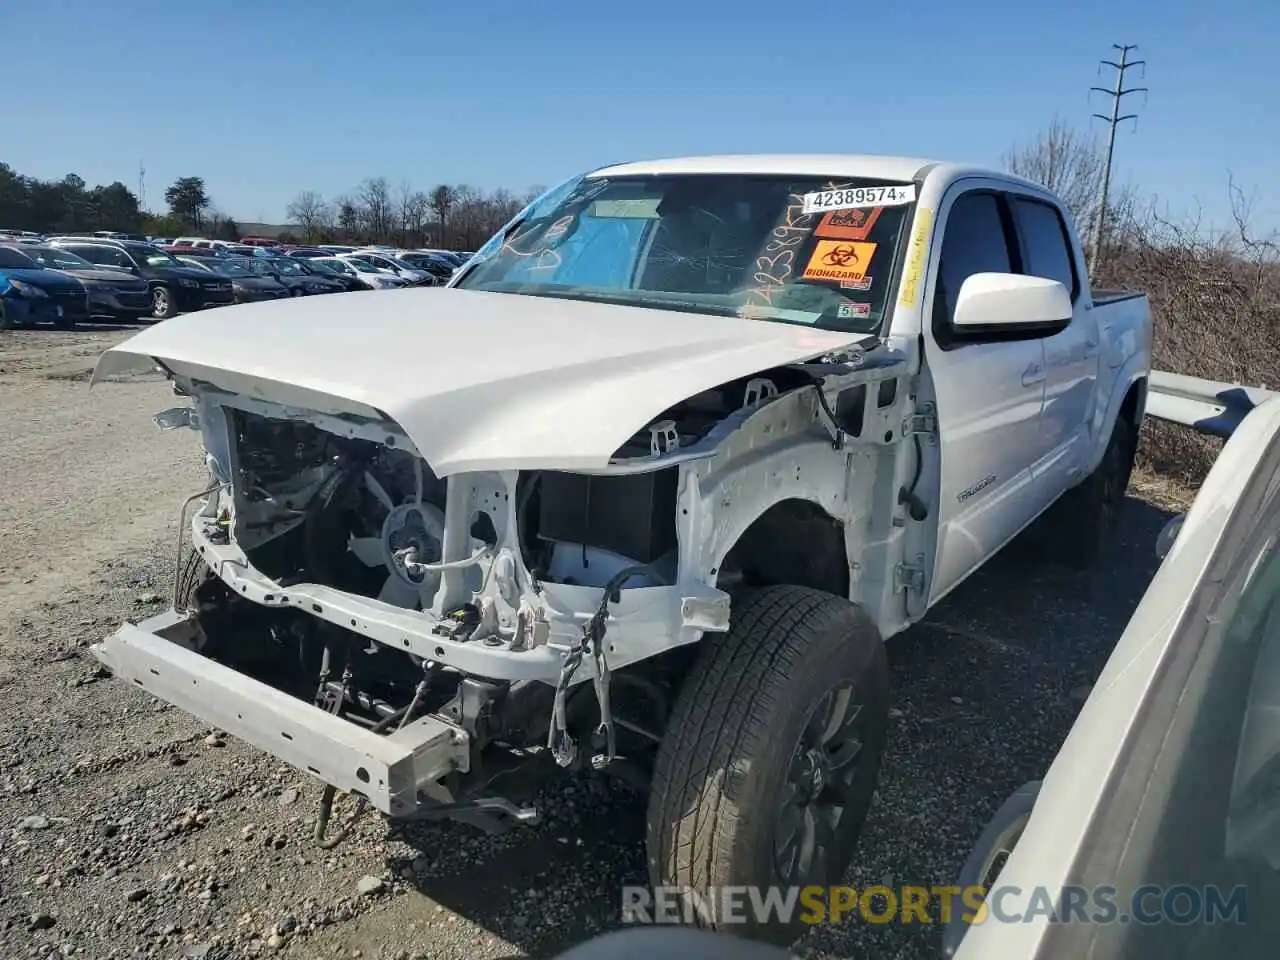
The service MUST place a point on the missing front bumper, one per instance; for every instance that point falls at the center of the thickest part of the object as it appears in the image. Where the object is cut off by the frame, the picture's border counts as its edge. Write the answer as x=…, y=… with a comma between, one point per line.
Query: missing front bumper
x=388, y=770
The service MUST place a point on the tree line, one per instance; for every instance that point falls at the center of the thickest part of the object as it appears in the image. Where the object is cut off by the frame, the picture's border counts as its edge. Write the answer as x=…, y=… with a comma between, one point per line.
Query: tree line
x=66, y=205
x=452, y=217
x=458, y=217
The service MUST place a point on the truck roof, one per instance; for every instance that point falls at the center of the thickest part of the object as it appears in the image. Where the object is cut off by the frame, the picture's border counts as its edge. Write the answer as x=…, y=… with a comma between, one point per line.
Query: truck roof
x=870, y=166
x=814, y=164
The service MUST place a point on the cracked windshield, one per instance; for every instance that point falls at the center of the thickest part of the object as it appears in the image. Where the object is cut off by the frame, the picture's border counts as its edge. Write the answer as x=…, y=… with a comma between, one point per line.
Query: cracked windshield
x=802, y=251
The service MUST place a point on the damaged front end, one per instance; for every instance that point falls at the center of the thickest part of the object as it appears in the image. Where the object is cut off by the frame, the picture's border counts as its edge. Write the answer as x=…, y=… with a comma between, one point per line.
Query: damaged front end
x=413, y=636
x=409, y=638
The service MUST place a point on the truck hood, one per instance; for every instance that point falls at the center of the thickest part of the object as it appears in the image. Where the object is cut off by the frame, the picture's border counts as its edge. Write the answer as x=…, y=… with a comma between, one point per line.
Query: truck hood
x=478, y=381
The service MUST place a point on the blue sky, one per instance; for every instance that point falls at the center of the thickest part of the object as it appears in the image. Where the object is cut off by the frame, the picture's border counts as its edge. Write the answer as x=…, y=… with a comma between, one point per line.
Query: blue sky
x=266, y=99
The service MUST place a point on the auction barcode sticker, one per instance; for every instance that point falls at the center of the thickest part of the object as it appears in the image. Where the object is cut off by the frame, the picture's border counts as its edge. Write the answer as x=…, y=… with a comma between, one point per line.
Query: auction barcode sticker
x=859, y=198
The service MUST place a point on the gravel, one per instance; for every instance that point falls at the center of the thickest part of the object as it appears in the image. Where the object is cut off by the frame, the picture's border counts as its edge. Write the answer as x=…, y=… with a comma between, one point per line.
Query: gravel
x=128, y=829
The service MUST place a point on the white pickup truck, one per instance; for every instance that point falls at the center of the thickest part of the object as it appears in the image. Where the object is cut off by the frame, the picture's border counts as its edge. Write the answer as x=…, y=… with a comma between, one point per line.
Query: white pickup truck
x=645, y=488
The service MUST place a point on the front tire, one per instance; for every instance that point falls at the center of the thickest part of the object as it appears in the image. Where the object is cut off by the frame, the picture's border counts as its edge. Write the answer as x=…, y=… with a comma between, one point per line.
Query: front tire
x=163, y=305
x=772, y=753
x=192, y=574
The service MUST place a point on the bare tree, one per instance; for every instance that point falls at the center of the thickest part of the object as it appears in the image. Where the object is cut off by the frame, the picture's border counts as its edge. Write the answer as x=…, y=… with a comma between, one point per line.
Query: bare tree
x=1073, y=165
x=220, y=226
x=374, y=199
x=503, y=206
x=310, y=212
x=463, y=210
x=348, y=217
x=411, y=212
x=1068, y=163
x=1215, y=299
x=443, y=199
x=416, y=213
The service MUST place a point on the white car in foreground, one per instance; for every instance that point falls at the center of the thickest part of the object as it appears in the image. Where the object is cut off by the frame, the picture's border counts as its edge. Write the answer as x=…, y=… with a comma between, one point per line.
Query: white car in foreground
x=1160, y=815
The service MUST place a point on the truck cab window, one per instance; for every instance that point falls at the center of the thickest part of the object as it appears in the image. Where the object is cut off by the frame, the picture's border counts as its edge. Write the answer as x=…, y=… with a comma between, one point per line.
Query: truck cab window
x=974, y=242
x=1044, y=243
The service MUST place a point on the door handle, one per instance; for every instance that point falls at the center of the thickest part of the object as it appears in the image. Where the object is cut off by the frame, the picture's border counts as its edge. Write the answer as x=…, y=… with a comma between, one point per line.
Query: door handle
x=1033, y=375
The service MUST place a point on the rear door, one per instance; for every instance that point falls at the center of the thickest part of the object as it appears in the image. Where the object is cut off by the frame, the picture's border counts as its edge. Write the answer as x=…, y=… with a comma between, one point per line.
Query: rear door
x=1071, y=356
x=1163, y=807
x=989, y=393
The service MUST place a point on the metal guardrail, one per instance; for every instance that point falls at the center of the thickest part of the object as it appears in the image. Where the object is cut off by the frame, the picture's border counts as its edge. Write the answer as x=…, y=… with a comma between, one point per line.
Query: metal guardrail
x=1204, y=405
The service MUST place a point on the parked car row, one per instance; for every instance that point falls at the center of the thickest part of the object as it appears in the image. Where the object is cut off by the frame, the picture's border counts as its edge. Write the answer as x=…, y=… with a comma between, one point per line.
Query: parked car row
x=128, y=277
x=413, y=266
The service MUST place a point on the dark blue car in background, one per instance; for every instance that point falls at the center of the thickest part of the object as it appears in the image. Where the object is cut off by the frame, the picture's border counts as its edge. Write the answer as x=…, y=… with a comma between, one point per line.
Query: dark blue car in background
x=31, y=294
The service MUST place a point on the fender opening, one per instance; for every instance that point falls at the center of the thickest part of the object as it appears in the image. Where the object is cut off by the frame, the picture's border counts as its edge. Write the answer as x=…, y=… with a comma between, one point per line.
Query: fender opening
x=793, y=542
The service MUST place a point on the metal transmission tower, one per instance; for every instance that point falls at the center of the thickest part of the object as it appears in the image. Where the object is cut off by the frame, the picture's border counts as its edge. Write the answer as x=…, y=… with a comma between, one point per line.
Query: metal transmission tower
x=1117, y=94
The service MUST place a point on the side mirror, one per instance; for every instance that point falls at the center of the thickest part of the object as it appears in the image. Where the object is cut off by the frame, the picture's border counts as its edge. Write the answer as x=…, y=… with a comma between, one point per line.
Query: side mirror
x=996, y=302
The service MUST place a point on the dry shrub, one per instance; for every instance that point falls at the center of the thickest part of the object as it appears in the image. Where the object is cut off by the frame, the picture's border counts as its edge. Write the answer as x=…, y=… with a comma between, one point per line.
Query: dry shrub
x=1216, y=308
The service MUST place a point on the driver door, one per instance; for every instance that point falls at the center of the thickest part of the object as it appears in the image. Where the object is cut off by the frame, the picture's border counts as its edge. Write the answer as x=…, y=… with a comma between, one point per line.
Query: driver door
x=989, y=391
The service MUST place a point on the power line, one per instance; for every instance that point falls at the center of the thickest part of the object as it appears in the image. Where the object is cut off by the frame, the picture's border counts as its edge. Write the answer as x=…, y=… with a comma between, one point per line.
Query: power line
x=1117, y=94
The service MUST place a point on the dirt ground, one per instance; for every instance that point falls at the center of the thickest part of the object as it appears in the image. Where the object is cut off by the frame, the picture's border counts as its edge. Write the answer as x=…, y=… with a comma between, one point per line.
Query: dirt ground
x=128, y=830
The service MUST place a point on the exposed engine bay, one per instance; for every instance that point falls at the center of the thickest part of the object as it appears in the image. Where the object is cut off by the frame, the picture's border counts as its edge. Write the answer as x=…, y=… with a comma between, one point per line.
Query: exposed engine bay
x=309, y=508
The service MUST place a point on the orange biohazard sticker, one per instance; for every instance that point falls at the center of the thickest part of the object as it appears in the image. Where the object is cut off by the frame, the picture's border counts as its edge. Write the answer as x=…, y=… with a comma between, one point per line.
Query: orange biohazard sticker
x=847, y=224
x=839, y=260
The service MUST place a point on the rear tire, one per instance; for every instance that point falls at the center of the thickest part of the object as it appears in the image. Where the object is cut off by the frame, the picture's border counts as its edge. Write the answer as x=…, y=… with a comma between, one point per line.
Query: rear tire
x=772, y=753
x=5, y=322
x=1082, y=520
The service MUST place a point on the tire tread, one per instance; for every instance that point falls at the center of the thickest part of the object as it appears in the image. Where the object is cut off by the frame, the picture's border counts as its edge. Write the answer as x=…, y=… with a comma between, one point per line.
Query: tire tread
x=722, y=718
